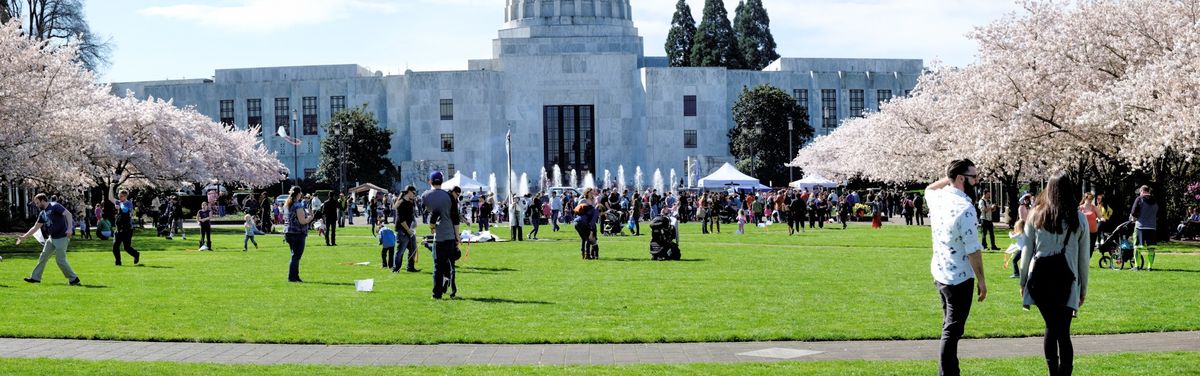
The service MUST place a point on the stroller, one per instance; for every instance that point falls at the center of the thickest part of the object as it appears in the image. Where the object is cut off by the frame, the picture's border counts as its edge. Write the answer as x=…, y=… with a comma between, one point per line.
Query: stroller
x=1115, y=247
x=612, y=223
x=162, y=225
x=664, y=238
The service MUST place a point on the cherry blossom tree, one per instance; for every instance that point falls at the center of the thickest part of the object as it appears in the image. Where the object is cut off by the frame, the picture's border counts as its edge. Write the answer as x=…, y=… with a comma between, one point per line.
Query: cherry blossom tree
x=1100, y=88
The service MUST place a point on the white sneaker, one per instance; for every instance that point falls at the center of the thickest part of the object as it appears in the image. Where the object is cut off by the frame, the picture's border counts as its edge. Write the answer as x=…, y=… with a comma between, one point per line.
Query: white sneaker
x=204, y=248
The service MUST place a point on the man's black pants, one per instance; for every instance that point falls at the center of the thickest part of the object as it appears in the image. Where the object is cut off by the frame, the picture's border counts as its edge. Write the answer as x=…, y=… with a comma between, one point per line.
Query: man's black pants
x=443, y=269
x=987, y=228
x=330, y=233
x=956, y=306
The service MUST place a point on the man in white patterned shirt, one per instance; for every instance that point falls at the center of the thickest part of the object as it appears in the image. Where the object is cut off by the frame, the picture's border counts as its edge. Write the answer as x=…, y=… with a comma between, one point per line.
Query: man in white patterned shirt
x=957, y=262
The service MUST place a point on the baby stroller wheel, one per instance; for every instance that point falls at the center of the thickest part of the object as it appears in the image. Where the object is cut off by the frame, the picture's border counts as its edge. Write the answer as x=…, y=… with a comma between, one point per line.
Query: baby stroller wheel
x=1104, y=262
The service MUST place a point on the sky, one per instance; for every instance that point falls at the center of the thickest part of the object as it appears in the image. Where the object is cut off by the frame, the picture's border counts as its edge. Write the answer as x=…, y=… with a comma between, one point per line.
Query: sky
x=176, y=39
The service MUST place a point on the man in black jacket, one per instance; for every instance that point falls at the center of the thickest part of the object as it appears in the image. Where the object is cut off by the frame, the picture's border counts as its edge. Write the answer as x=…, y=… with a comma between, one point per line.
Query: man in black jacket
x=329, y=209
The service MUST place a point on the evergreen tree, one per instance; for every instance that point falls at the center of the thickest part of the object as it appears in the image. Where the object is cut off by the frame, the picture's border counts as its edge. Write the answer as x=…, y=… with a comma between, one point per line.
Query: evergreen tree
x=715, y=43
x=755, y=42
x=367, y=149
x=759, y=139
x=681, y=36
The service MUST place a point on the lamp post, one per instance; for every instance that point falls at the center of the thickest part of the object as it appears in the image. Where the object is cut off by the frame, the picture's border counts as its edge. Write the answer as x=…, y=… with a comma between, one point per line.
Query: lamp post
x=295, y=151
x=341, y=132
x=791, y=177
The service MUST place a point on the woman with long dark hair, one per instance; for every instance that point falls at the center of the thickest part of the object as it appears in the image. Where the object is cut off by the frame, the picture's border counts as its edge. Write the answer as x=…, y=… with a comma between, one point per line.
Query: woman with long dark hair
x=1055, y=273
x=297, y=230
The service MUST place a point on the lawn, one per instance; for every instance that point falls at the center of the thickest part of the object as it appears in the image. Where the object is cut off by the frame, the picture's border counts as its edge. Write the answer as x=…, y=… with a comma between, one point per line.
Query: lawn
x=822, y=285
x=1111, y=364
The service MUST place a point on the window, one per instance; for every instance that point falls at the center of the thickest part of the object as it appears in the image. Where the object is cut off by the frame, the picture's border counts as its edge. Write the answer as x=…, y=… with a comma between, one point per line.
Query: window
x=447, y=142
x=801, y=96
x=570, y=138
x=281, y=114
x=828, y=108
x=689, y=105
x=689, y=139
x=309, y=173
x=882, y=96
x=856, y=102
x=310, y=115
x=450, y=169
x=336, y=104
x=447, y=106
x=908, y=93
x=227, y=112
x=253, y=112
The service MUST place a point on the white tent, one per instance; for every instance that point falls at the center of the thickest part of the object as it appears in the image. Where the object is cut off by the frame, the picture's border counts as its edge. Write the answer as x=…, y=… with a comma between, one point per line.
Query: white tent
x=728, y=177
x=812, y=181
x=465, y=182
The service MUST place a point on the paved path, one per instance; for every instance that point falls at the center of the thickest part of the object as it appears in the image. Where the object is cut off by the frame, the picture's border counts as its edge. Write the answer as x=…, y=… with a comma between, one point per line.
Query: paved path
x=576, y=353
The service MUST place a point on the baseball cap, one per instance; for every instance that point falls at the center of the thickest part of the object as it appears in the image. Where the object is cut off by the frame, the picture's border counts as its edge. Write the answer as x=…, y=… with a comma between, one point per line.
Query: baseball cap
x=435, y=177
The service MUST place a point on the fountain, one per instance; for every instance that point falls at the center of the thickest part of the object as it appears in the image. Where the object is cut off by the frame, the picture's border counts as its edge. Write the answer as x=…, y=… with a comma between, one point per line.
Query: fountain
x=543, y=180
x=606, y=183
x=558, y=177
x=621, y=178
x=475, y=175
x=589, y=181
x=492, y=184
x=523, y=185
x=657, y=182
x=637, y=179
x=574, y=180
x=674, y=183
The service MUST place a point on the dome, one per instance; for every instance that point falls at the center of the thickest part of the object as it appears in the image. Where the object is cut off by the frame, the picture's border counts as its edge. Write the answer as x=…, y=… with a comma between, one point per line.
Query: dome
x=599, y=16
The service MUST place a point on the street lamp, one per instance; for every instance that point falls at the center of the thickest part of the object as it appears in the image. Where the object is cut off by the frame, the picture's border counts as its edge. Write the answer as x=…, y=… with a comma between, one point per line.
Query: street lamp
x=341, y=131
x=295, y=150
x=791, y=177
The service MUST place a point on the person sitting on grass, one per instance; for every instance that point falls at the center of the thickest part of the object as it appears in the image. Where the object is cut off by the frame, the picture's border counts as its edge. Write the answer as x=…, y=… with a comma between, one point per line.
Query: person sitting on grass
x=387, y=240
x=251, y=230
x=104, y=229
x=1190, y=225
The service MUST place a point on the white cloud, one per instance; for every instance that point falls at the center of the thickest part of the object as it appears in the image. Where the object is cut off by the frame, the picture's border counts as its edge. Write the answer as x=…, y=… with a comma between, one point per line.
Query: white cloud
x=269, y=15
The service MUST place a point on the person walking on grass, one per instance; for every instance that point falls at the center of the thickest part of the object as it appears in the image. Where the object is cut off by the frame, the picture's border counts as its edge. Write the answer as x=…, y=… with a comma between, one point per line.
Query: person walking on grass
x=989, y=214
x=442, y=215
x=54, y=223
x=204, y=216
x=175, y=216
x=251, y=230
x=406, y=216
x=124, y=223
x=329, y=210
x=296, y=230
x=387, y=243
x=1055, y=276
x=957, y=264
x=535, y=216
x=1145, y=215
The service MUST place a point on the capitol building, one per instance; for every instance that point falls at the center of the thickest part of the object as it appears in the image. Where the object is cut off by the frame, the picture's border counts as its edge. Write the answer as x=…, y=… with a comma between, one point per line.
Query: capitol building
x=569, y=78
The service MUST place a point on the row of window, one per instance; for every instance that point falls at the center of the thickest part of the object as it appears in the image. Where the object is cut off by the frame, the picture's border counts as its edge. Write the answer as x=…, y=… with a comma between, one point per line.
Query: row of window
x=828, y=103
x=282, y=107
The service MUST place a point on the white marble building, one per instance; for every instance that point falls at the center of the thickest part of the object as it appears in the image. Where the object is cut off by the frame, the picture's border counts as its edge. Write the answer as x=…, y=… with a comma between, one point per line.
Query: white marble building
x=568, y=76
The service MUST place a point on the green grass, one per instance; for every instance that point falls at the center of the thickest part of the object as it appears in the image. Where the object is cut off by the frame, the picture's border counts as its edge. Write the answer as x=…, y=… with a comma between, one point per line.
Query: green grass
x=822, y=285
x=1112, y=364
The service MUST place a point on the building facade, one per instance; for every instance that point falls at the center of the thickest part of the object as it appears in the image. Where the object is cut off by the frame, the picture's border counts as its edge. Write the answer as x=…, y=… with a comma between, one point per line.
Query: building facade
x=569, y=79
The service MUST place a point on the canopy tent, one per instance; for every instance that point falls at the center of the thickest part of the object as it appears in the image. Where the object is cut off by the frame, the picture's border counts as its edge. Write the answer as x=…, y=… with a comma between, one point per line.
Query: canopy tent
x=465, y=182
x=729, y=177
x=366, y=188
x=812, y=181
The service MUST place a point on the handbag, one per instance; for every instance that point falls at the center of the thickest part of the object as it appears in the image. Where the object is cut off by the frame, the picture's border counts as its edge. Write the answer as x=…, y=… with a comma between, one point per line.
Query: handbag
x=1050, y=278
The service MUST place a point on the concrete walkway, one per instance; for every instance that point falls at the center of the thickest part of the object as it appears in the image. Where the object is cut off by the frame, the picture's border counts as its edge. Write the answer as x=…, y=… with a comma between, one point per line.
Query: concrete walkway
x=576, y=353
